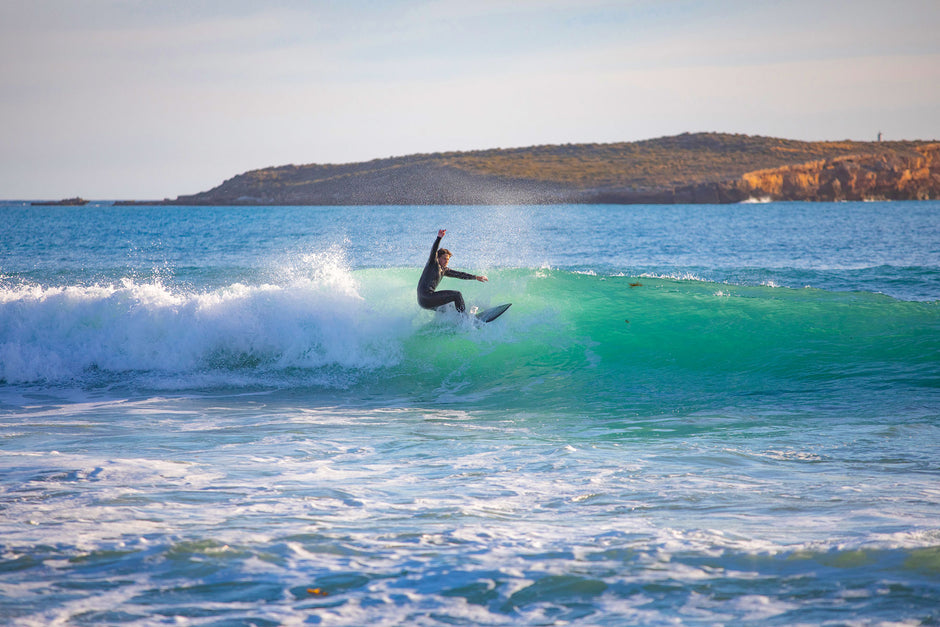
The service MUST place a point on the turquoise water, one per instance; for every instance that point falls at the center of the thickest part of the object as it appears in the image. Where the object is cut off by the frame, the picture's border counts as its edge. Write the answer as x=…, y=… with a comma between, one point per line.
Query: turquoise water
x=690, y=414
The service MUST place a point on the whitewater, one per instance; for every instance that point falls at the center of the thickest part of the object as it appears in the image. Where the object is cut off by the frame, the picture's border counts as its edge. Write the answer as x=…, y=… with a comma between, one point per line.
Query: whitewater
x=690, y=415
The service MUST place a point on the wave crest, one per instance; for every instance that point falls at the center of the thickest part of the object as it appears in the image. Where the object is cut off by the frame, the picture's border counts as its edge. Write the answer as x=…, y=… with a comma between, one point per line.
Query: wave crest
x=61, y=333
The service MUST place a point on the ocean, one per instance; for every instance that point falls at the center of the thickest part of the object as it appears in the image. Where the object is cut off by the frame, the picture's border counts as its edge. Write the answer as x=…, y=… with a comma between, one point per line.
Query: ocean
x=692, y=415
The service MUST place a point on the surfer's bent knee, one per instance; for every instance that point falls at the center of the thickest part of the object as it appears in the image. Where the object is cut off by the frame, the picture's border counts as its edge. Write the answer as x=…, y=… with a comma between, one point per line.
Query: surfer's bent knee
x=439, y=299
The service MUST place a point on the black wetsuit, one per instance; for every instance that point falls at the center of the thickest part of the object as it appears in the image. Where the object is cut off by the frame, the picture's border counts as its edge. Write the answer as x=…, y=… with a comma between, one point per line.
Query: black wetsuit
x=432, y=275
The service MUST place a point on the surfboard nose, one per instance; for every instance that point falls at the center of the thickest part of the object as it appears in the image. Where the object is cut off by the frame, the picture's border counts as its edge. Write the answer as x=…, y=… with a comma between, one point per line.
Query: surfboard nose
x=488, y=315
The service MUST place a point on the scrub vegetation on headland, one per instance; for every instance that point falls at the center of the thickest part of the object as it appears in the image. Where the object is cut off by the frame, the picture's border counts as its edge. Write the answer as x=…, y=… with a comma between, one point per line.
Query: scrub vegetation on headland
x=687, y=168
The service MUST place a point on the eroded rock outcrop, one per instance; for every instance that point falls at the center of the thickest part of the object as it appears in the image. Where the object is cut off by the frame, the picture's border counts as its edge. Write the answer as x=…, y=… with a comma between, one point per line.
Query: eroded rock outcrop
x=889, y=176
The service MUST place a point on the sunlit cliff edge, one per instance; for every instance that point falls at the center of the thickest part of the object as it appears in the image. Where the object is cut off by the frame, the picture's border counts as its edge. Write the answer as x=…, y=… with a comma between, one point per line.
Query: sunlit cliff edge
x=687, y=168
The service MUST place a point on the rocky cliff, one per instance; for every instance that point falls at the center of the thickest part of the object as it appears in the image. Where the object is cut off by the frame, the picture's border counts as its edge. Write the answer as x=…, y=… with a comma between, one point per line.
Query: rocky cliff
x=688, y=168
x=874, y=176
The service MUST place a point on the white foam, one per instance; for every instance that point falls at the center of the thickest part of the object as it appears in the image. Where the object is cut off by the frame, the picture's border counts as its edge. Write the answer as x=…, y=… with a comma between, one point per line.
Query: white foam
x=63, y=333
x=675, y=276
x=493, y=509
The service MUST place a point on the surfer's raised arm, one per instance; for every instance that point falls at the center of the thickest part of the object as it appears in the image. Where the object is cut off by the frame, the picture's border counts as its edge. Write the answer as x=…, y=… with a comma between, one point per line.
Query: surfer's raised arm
x=433, y=257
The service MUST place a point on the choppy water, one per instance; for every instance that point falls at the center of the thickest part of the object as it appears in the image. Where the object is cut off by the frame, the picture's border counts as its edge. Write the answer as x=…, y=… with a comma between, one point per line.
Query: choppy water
x=690, y=414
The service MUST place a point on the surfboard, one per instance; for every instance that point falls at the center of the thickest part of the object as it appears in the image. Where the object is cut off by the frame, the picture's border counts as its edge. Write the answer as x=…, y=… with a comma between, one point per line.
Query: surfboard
x=488, y=315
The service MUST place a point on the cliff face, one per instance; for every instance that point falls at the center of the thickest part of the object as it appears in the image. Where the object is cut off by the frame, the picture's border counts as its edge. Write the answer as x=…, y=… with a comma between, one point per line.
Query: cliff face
x=860, y=177
x=688, y=168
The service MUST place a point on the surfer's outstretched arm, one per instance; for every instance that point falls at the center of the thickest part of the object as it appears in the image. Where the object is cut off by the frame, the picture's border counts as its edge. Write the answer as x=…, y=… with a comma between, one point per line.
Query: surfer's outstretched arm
x=457, y=274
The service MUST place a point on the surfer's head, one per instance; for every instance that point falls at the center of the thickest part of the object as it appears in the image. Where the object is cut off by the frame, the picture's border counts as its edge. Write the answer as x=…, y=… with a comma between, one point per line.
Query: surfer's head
x=443, y=256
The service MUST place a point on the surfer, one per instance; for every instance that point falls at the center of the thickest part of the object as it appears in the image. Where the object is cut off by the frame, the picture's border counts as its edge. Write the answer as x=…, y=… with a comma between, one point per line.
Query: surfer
x=434, y=271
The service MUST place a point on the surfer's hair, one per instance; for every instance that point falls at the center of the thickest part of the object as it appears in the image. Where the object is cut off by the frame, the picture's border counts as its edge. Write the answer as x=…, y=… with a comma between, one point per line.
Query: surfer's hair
x=444, y=251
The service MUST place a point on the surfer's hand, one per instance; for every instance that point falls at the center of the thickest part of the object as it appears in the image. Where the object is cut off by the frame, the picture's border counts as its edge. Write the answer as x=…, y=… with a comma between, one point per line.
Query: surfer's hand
x=441, y=232
x=482, y=279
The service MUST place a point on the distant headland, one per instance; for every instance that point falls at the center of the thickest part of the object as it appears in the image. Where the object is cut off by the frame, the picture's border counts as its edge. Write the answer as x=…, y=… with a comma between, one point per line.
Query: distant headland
x=687, y=168
x=78, y=201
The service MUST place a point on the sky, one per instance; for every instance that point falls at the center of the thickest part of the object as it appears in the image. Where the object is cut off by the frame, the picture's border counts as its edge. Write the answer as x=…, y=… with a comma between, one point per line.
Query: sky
x=133, y=99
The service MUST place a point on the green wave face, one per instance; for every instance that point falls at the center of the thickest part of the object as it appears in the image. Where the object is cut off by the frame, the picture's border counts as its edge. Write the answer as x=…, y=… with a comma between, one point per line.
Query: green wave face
x=615, y=344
